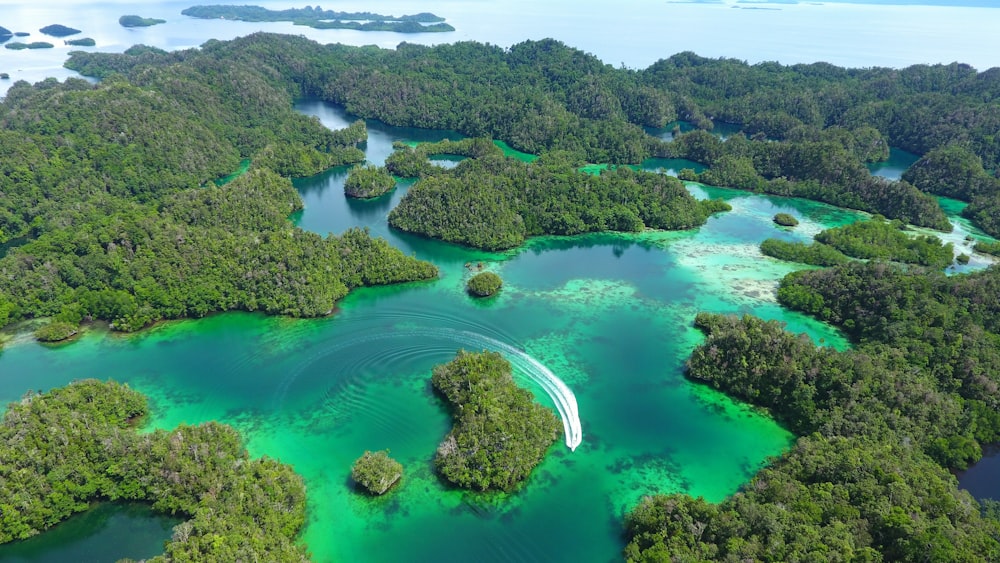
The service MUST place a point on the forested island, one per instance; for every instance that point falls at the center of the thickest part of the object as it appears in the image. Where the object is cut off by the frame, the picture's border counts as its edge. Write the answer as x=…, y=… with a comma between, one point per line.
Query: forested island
x=139, y=21
x=494, y=203
x=876, y=239
x=17, y=45
x=112, y=186
x=785, y=220
x=319, y=18
x=484, y=284
x=366, y=182
x=82, y=42
x=376, y=472
x=808, y=129
x=500, y=433
x=64, y=450
x=59, y=30
x=125, y=225
x=881, y=425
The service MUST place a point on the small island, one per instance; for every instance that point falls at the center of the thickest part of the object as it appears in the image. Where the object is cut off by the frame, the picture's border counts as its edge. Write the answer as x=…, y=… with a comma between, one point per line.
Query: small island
x=785, y=220
x=33, y=45
x=319, y=18
x=4, y=76
x=82, y=42
x=376, y=472
x=56, y=331
x=138, y=21
x=57, y=30
x=877, y=239
x=991, y=248
x=500, y=433
x=5, y=33
x=484, y=284
x=367, y=182
x=494, y=203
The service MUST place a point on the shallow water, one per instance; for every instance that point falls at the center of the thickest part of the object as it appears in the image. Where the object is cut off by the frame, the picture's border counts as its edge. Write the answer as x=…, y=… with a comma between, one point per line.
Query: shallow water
x=609, y=314
x=107, y=532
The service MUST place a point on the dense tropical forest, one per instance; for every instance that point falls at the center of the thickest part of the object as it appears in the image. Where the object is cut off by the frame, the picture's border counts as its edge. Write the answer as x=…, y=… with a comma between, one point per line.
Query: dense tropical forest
x=869, y=240
x=881, y=425
x=64, y=450
x=807, y=129
x=494, y=203
x=500, y=433
x=111, y=188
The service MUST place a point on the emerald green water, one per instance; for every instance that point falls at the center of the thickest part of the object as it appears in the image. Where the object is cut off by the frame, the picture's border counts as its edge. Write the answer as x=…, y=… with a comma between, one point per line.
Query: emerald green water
x=107, y=532
x=893, y=168
x=610, y=314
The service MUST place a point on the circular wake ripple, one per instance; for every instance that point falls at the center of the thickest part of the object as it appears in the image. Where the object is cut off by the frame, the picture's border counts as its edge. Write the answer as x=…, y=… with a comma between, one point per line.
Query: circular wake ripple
x=561, y=395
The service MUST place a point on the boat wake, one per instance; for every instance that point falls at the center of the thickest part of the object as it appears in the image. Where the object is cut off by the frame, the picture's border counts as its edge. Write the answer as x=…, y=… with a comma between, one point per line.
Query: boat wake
x=562, y=396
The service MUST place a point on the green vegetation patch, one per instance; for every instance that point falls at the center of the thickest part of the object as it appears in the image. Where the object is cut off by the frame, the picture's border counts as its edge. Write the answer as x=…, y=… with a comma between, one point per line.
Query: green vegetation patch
x=785, y=220
x=56, y=331
x=881, y=424
x=801, y=134
x=411, y=161
x=992, y=248
x=822, y=170
x=952, y=171
x=816, y=254
x=82, y=42
x=887, y=240
x=112, y=186
x=494, y=203
x=500, y=433
x=484, y=284
x=203, y=250
x=376, y=472
x=368, y=182
x=65, y=449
